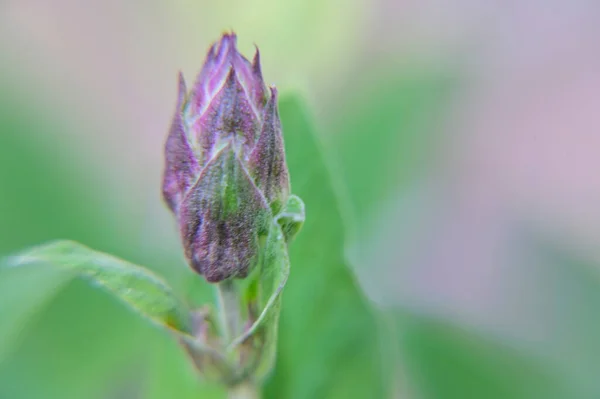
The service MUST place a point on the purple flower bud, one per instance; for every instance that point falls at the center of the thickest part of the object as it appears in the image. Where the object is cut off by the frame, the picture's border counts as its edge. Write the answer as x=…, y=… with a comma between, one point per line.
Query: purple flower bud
x=225, y=174
x=221, y=218
x=267, y=160
x=181, y=164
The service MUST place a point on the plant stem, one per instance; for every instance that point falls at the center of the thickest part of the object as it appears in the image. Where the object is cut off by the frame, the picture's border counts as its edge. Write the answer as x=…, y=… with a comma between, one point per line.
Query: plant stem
x=245, y=390
x=229, y=311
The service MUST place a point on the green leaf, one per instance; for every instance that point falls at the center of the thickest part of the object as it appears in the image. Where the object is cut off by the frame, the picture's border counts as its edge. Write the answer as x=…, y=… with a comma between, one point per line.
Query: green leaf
x=20, y=301
x=142, y=290
x=384, y=142
x=273, y=276
x=50, y=324
x=291, y=217
x=386, y=139
x=328, y=337
x=139, y=288
x=172, y=377
x=388, y=133
x=58, y=337
x=69, y=353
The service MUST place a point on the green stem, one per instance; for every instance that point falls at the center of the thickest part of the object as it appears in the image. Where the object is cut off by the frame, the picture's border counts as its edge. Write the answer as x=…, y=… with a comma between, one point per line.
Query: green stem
x=229, y=310
x=245, y=390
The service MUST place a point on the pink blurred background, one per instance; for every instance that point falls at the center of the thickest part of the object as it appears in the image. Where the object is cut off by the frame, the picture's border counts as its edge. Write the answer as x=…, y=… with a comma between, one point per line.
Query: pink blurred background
x=520, y=141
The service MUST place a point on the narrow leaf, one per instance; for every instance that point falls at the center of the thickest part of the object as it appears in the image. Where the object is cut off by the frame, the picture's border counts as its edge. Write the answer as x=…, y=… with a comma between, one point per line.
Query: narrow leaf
x=328, y=338
x=139, y=288
x=274, y=273
x=19, y=303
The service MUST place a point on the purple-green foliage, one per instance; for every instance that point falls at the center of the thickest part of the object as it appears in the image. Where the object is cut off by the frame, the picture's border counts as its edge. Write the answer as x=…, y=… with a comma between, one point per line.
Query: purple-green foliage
x=329, y=345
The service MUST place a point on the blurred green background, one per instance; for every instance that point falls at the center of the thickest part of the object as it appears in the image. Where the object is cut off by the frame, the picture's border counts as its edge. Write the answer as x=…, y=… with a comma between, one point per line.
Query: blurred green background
x=451, y=244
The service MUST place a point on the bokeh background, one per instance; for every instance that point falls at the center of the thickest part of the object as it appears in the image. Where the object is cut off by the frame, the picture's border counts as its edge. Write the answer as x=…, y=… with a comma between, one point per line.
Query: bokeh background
x=462, y=140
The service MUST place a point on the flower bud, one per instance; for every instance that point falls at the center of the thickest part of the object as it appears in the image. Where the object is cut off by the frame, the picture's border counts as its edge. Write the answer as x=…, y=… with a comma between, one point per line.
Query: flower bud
x=225, y=175
x=267, y=161
x=221, y=219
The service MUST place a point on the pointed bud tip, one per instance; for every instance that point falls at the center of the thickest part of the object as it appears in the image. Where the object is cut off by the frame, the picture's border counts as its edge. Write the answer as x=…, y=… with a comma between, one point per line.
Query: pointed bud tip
x=274, y=93
x=271, y=112
x=181, y=85
x=267, y=161
x=228, y=44
x=256, y=60
x=181, y=91
x=229, y=35
x=210, y=54
x=231, y=72
x=181, y=166
x=232, y=79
